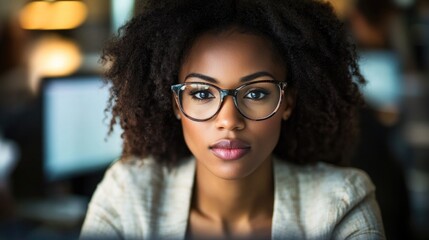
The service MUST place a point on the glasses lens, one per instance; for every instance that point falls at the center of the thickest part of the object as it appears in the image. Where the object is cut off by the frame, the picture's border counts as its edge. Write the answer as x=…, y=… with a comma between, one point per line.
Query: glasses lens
x=258, y=100
x=199, y=101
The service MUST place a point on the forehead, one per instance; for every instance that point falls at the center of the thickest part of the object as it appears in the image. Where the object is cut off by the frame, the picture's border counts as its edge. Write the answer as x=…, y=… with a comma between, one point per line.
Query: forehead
x=230, y=55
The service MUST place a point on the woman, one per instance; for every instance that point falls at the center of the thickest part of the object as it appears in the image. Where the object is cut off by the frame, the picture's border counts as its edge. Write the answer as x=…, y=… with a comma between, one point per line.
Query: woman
x=234, y=114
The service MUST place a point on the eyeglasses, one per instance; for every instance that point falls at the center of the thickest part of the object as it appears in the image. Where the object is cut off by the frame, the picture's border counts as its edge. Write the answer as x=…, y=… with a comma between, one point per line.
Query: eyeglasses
x=256, y=100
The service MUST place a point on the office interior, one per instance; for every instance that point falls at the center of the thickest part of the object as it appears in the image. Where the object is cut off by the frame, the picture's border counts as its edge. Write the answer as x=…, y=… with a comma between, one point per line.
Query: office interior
x=52, y=155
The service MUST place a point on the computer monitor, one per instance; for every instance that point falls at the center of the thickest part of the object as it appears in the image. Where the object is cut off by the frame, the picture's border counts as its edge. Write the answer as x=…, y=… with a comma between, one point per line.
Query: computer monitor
x=75, y=127
x=384, y=88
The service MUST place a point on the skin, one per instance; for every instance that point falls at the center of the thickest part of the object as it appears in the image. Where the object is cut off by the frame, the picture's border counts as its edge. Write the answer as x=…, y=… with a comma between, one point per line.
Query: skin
x=232, y=198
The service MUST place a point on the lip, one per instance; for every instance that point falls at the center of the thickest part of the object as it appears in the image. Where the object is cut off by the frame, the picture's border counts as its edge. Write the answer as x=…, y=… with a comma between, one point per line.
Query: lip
x=230, y=149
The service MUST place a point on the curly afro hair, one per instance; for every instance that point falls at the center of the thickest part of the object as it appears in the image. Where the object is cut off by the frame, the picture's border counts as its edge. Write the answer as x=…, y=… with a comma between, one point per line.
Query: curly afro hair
x=144, y=60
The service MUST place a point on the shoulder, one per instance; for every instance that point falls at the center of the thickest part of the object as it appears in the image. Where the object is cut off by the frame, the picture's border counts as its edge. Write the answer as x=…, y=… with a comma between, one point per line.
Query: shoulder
x=348, y=181
x=137, y=175
x=324, y=196
x=115, y=197
x=135, y=195
x=128, y=182
x=328, y=181
x=131, y=172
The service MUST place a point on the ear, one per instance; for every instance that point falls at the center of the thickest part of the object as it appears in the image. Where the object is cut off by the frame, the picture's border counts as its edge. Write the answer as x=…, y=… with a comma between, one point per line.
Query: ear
x=290, y=99
x=176, y=110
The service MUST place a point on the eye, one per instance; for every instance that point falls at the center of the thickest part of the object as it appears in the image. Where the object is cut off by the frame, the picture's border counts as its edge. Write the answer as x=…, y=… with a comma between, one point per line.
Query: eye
x=256, y=94
x=201, y=95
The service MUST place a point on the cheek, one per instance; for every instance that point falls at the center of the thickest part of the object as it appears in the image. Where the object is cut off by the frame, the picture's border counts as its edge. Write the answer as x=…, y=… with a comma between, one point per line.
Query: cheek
x=194, y=133
x=269, y=130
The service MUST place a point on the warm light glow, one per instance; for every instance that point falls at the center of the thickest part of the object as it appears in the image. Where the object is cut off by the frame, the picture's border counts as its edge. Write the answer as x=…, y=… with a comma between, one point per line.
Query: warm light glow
x=30, y=16
x=67, y=14
x=44, y=15
x=56, y=56
x=341, y=7
x=53, y=56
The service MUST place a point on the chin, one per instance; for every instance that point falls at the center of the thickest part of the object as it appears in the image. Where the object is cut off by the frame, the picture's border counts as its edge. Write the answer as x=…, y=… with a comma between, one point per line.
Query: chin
x=233, y=170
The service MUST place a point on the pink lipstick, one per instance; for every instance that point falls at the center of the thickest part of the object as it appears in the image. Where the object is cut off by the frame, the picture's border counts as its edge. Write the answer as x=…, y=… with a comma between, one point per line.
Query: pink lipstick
x=230, y=149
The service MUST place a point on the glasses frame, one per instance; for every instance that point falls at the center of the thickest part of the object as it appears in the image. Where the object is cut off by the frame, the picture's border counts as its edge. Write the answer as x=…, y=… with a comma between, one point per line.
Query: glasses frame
x=228, y=92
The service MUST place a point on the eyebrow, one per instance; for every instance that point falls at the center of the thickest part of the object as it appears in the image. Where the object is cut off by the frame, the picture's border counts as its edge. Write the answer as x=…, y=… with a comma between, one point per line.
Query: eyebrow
x=243, y=79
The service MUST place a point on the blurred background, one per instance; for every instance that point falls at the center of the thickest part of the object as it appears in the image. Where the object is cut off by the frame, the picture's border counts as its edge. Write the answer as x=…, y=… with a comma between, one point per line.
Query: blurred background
x=54, y=145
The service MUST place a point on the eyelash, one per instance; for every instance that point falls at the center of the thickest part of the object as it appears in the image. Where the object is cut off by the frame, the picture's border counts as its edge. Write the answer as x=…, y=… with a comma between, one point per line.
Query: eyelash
x=195, y=92
x=258, y=91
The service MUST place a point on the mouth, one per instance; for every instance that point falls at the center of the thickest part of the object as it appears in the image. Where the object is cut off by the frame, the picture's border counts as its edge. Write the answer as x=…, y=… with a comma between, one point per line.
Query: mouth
x=230, y=149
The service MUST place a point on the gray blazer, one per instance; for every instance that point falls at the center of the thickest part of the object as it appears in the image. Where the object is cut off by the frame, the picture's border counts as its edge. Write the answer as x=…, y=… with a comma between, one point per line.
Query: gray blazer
x=147, y=201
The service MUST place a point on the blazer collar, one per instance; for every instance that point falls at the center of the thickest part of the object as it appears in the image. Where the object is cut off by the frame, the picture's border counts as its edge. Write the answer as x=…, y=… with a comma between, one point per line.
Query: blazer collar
x=178, y=193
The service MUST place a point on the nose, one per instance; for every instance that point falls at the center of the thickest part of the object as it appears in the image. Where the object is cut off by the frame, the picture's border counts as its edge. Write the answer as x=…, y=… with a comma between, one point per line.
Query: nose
x=228, y=117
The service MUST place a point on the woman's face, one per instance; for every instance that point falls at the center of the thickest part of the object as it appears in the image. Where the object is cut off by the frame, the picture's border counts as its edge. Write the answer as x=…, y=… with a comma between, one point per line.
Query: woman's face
x=229, y=145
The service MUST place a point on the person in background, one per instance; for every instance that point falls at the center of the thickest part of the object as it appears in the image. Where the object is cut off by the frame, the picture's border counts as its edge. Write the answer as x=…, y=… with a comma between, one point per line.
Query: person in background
x=13, y=96
x=238, y=116
x=370, y=23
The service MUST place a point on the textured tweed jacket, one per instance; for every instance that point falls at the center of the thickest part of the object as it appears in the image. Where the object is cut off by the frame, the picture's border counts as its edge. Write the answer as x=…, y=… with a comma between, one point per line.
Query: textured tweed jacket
x=147, y=201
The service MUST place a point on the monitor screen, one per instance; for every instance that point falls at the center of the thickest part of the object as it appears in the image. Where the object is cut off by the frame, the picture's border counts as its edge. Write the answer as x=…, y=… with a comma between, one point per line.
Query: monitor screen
x=382, y=71
x=75, y=127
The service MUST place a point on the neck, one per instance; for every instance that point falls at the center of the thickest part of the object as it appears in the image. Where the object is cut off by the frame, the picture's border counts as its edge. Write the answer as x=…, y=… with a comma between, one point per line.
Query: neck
x=231, y=201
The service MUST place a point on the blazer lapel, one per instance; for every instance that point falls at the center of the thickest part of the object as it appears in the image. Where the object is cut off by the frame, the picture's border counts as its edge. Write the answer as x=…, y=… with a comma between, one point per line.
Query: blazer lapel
x=176, y=202
x=286, y=216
